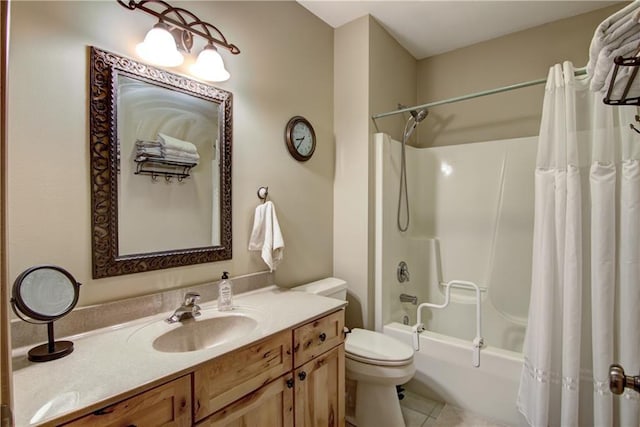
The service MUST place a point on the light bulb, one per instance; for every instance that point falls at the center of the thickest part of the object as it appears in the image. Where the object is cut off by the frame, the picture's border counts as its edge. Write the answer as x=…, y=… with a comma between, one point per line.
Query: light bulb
x=209, y=65
x=159, y=47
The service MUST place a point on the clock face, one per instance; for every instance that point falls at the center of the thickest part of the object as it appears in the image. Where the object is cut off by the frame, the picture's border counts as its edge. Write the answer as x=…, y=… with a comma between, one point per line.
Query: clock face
x=300, y=138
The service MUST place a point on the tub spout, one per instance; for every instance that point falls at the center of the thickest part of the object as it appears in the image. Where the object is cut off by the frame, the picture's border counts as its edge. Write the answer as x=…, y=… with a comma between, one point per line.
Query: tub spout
x=409, y=298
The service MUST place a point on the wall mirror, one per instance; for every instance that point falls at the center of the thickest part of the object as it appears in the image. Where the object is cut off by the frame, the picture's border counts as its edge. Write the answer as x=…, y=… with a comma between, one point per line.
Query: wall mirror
x=160, y=168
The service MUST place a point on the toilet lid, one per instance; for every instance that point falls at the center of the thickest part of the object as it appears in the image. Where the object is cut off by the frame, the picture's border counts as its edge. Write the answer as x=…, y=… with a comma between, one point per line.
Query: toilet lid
x=374, y=347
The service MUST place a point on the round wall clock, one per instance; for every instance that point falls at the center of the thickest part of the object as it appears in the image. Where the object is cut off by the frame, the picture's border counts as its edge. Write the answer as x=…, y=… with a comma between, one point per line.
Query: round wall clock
x=300, y=138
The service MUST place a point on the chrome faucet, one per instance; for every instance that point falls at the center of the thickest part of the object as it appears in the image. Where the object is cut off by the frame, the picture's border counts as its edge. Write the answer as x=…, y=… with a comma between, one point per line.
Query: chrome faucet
x=188, y=310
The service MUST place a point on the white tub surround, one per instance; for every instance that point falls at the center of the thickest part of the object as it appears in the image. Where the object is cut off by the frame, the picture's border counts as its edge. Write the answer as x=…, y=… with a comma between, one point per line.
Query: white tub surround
x=471, y=220
x=471, y=225
x=444, y=373
x=108, y=365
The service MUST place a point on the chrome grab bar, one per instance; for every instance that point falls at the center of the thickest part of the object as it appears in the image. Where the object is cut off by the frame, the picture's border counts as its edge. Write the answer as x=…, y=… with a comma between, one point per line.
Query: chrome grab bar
x=478, y=341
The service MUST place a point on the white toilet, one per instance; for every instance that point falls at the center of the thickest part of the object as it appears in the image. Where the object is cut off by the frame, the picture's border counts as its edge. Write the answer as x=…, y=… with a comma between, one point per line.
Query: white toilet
x=377, y=362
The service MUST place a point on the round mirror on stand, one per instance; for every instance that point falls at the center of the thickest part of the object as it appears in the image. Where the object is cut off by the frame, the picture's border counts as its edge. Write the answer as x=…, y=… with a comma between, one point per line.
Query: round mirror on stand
x=42, y=294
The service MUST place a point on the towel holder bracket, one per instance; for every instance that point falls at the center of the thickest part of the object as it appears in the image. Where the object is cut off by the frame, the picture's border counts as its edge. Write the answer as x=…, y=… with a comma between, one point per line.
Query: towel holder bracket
x=168, y=169
x=624, y=100
x=263, y=192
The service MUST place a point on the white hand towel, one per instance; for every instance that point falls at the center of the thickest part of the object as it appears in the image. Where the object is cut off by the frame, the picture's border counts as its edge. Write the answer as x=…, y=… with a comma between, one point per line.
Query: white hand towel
x=603, y=70
x=608, y=31
x=618, y=35
x=620, y=24
x=266, y=236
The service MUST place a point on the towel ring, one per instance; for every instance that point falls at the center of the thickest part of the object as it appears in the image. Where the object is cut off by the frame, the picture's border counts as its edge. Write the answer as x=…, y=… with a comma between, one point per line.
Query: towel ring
x=263, y=192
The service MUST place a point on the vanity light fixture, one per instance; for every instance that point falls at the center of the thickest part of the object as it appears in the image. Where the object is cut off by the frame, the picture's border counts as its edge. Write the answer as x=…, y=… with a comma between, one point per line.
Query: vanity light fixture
x=175, y=31
x=159, y=47
x=209, y=65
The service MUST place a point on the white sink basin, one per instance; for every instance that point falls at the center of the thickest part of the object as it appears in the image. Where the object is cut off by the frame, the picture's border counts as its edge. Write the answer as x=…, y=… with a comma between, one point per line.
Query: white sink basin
x=211, y=329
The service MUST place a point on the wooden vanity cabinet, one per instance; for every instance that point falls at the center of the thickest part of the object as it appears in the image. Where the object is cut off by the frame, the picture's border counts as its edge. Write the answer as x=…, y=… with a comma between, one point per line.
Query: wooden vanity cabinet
x=234, y=375
x=319, y=390
x=166, y=405
x=310, y=393
x=292, y=378
x=318, y=356
x=269, y=406
x=318, y=336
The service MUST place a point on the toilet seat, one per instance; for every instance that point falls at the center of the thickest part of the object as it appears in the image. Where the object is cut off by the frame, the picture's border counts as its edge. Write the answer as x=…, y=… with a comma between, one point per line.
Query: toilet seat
x=374, y=348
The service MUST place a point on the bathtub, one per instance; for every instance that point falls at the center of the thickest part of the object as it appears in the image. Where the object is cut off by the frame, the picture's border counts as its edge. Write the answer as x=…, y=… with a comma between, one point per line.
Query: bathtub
x=444, y=373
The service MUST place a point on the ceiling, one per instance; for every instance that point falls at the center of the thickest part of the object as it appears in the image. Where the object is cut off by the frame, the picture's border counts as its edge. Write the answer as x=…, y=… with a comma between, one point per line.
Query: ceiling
x=427, y=27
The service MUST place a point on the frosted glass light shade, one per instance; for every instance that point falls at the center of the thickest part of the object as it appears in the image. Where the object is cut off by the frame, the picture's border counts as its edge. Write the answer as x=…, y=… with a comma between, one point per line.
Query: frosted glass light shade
x=209, y=66
x=159, y=47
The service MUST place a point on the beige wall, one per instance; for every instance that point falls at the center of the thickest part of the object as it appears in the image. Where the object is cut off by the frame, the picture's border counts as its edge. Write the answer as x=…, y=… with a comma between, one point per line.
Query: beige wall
x=393, y=79
x=519, y=57
x=275, y=77
x=5, y=332
x=350, y=196
x=372, y=72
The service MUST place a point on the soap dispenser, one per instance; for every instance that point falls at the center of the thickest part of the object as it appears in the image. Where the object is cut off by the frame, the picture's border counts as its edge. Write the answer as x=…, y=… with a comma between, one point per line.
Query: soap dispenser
x=225, y=293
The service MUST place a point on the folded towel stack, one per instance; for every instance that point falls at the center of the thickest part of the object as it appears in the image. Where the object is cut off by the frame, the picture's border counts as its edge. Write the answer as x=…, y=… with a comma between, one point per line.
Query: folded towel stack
x=169, y=149
x=148, y=150
x=618, y=35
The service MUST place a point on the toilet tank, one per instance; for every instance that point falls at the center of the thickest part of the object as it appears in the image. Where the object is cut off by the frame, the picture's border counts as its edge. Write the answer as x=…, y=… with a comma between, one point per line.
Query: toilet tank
x=331, y=287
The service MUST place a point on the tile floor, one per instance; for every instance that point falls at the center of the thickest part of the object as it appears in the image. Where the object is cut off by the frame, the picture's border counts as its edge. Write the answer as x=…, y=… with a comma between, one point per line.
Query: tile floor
x=419, y=411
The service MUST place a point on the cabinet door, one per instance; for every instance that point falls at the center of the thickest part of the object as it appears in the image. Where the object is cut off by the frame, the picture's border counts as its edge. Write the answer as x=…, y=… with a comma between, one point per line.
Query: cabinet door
x=319, y=391
x=269, y=406
x=316, y=337
x=166, y=405
x=229, y=377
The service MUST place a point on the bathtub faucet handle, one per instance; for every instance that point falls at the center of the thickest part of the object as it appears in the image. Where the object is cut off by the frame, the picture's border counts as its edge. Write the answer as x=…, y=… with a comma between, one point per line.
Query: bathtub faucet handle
x=402, y=272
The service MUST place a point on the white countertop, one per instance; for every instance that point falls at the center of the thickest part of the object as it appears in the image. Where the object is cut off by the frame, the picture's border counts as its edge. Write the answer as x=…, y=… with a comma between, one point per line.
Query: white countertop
x=110, y=362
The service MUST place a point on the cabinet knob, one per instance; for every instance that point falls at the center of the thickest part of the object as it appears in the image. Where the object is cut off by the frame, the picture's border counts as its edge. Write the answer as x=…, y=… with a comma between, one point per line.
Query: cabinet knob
x=323, y=337
x=302, y=375
x=290, y=383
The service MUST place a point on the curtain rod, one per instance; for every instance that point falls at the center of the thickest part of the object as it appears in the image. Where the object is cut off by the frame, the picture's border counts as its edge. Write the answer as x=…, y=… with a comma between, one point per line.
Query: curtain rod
x=577, y=72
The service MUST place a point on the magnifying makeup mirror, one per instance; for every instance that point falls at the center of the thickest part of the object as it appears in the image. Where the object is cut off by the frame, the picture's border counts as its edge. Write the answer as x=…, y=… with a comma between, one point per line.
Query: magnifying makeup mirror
x=42, y=294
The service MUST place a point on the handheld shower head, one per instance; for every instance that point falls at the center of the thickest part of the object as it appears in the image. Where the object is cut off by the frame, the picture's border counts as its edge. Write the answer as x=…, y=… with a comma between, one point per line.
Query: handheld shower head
x=419, y=115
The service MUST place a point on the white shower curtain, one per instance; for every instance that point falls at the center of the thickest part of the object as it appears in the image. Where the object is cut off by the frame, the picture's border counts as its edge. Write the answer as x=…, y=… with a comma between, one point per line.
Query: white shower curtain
x=585, y=297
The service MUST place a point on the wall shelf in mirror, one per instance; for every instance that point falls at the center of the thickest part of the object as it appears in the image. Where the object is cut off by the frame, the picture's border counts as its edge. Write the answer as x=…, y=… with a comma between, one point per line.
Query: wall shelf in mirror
x=167, y=168
x=130, y=102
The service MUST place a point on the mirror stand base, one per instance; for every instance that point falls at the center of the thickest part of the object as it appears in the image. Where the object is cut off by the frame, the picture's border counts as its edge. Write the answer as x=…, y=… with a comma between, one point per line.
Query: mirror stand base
x=43, y=353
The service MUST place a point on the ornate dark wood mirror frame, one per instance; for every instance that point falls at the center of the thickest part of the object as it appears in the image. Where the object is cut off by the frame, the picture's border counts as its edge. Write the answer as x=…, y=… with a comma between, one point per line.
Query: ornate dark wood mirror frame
x=107, y=262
